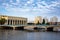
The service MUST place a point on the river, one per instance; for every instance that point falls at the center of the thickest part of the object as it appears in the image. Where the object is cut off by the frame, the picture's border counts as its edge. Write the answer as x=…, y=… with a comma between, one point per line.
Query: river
x=23, y=35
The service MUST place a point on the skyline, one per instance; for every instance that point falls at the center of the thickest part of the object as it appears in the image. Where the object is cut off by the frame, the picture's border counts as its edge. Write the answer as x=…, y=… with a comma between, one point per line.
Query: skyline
x=30, y=8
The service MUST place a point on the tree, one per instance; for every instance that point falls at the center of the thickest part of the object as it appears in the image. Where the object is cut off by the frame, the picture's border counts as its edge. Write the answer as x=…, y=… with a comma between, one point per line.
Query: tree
x=38, y=23
x=43, y=21
x=2, y=21
x=30, y=23
x=47, y=23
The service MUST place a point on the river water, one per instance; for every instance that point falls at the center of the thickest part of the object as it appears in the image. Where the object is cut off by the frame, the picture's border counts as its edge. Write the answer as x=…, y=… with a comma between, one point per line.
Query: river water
x=23, y=35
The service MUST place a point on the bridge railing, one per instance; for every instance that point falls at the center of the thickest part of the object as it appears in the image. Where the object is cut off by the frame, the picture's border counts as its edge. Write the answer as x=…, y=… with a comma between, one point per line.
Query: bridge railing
x=28, y=25
x=13, y=25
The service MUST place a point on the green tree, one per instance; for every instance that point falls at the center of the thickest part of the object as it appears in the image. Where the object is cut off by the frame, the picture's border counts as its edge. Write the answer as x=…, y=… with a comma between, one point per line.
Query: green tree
x=47, y=23
x=43, y=21
x=2, y=21
x=38, y=23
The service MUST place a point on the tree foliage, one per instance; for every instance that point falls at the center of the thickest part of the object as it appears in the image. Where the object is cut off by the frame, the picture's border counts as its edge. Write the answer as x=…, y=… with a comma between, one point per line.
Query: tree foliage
x=38, y=23
x=47, y=24
x=43, y=21
x=2, y=21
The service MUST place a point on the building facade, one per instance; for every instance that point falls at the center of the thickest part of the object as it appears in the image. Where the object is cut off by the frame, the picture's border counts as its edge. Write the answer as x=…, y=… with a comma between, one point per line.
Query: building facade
x=38, y=19
x=54, y=20
x=11, y=20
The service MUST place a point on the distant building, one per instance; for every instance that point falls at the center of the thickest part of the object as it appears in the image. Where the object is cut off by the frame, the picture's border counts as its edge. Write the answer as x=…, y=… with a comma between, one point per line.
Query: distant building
x=38, y=19
x=11, y=20
x=54, y=20
x=46, y=20
x=58, y=23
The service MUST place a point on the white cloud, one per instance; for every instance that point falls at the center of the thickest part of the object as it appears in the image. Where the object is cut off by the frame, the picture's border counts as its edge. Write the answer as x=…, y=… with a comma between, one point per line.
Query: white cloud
x=17, y=10
x=26, y=10
x=30, y=1
x=39, y=4
x=18, y=1
x=43, y=2
x=11, y=1
x=5, y=5
x=14, y=3
x=39, y=9
x=54, y=4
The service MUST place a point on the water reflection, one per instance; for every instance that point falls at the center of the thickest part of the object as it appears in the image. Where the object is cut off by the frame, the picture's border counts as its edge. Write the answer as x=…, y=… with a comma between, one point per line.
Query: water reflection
x=22, y=35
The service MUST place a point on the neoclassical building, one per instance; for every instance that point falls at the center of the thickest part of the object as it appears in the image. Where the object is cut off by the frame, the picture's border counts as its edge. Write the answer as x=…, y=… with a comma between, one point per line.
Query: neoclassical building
x=38, y=19
x=12, y=20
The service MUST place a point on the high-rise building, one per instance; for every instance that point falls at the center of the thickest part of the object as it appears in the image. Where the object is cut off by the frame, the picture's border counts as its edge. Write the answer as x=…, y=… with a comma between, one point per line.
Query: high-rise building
x=38, y=19
x=54, y=20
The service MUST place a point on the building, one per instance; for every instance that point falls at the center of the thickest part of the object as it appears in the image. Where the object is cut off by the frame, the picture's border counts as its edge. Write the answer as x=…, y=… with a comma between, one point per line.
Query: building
x=58, y=23
x=46, y=20
x=11, y=20
x=38, y=19
x=53, y=20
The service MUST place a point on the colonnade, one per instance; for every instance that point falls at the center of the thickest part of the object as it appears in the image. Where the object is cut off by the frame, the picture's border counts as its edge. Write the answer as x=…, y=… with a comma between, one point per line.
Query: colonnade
x=16, y=22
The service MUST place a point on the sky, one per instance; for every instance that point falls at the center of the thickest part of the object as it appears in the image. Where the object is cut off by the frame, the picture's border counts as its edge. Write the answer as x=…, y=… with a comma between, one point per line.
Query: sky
x=30, y=8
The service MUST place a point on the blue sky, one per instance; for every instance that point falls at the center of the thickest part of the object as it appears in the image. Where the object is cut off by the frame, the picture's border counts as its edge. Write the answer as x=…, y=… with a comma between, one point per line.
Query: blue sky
x=30, y=8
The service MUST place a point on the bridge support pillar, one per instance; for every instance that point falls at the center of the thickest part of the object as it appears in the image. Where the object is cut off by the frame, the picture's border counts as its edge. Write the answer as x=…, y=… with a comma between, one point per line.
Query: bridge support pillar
x=13, y=28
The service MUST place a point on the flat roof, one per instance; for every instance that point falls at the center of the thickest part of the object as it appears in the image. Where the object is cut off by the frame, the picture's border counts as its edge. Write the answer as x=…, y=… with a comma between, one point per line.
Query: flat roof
x=13, y=16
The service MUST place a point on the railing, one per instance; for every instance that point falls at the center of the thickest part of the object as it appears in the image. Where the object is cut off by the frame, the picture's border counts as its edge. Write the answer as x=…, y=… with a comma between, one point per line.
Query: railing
x=13, y=25
x=43, y=25
x=29, y=25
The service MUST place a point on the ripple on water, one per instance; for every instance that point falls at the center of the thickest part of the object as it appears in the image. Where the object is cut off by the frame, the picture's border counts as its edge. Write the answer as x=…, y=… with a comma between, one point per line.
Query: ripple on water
x=22, y=35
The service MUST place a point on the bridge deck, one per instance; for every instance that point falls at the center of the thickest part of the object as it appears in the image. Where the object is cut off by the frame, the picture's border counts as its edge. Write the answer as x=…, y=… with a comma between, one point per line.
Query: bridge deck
x=30, y=25
x=13, y=25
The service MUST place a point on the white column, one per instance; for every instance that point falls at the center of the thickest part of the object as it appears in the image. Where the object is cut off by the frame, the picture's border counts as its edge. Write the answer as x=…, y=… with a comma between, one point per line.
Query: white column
x=23, y=22
x=13, y=27
x=12, y=22
x=6, y=22
x=19, y=22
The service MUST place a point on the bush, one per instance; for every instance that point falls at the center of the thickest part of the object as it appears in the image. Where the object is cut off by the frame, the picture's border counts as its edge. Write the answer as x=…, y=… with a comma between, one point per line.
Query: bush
x=2, y=21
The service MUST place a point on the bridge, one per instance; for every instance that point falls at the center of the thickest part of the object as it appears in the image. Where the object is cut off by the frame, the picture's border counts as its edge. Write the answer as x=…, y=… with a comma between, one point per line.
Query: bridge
x=12, y=26
x=43, y=25
x=46, y=27
x=31, y=26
